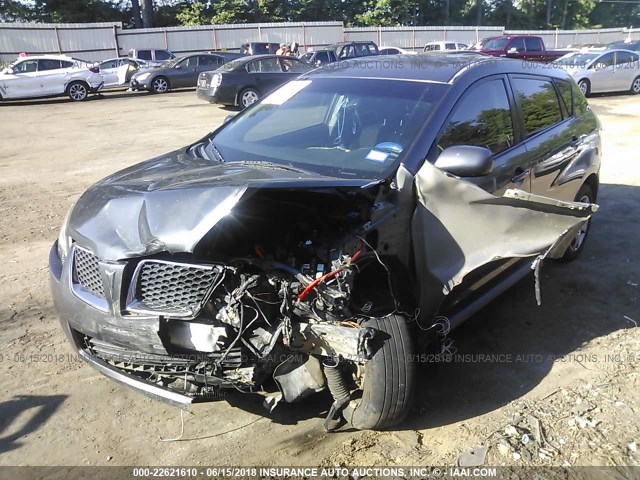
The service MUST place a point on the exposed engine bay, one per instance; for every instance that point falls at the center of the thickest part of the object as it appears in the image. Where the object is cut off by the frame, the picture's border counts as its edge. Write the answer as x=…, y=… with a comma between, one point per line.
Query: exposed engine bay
x=268, y=305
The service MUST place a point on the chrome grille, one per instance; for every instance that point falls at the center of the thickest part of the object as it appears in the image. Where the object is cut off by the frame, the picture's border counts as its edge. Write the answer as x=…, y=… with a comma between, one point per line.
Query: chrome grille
x=86, y=272
x=172, y=288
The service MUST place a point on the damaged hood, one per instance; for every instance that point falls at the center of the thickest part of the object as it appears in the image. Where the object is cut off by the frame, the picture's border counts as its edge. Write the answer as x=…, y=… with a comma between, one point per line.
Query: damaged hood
x=169, y=203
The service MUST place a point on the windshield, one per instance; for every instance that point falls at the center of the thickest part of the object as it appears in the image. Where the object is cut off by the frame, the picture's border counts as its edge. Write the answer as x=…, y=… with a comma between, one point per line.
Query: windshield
x=578, y=60
x=342, y=127
x=495, y=44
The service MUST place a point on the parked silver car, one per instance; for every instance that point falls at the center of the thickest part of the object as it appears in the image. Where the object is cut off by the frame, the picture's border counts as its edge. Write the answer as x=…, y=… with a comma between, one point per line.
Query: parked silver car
x=117, y=72
x=49, y=76
x=608, y=71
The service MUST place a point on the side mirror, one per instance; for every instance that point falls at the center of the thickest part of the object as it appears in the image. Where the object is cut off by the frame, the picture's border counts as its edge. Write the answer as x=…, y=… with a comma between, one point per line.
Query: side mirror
x=10, y=71
x=228, y=118
x=466, y=161
x=178, y=67
x=512, y=51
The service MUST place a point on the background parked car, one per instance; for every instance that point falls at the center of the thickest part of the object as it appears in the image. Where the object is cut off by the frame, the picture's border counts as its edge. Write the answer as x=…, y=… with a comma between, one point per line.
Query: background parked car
x=319, y=57
x=633, y=45
x=181, y=72
x=444, y=46
x=49, y=75
x=609, y=71
x=112, y=71
x=259, y=48
x=346, y=50
x=154, y=57
x=395, y=51
x=243, y=81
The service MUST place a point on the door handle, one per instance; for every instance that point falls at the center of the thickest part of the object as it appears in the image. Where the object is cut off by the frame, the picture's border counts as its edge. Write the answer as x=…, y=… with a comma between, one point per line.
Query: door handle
x=519, y=175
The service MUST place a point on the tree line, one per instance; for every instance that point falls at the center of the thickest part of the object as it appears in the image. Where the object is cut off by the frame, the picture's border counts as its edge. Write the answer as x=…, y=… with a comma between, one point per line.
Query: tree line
x=514, y=14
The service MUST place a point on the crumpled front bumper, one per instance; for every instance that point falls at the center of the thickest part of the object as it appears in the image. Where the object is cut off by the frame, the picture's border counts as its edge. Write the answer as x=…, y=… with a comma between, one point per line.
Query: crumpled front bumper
x=78, y=318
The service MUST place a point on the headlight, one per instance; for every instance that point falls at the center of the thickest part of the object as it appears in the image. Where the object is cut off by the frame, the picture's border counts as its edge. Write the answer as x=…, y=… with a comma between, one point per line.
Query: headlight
x=142, y=77
x=64, y=240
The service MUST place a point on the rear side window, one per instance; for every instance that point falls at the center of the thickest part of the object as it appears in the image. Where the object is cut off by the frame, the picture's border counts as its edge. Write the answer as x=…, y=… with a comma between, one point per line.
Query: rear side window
x=518, y=44
x=580, y=105
x=539, y=102
x=144, y=54
x=48, y=64
x=450, y=46
x=482, y=118
x=161, y=55
x=565, y=94
x=533, y=44
x=322, y=57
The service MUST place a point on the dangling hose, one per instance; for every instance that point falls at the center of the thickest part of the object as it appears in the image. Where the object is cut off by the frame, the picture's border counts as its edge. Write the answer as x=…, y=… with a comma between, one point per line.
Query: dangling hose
x=339, y=392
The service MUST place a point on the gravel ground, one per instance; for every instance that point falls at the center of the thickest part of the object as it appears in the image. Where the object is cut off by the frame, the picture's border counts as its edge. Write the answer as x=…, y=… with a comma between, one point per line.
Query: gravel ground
x=560, y=386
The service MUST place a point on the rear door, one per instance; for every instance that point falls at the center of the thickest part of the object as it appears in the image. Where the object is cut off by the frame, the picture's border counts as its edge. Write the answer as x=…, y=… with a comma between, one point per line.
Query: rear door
x=266, y=74
x=627, y=69
x=552, y=139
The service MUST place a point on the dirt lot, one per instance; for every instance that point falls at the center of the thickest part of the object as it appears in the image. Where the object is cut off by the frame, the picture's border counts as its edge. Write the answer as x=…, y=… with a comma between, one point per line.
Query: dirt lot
x=571, y=364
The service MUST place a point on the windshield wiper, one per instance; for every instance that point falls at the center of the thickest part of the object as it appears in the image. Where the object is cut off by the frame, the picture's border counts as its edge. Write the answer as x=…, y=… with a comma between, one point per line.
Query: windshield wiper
x=274, y=165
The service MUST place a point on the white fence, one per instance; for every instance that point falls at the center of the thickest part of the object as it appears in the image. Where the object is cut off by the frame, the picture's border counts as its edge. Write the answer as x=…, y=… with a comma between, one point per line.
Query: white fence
x=97, y=41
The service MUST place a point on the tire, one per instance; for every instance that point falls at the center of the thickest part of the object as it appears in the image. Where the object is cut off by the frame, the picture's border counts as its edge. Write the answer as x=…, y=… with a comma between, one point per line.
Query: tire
x=635, y=86
x=160, y=85
x=585, y=194
x=248, y=97
x=387, y=388
x=77, y=91
x=585, y=86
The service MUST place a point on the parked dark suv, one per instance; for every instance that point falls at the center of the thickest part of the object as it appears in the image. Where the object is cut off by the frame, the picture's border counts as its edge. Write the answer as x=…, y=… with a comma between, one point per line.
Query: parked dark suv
x=329, y=232
x=346, y=50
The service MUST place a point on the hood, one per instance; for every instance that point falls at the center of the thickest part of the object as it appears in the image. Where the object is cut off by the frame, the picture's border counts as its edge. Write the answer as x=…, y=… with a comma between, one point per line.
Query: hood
x=169, y=203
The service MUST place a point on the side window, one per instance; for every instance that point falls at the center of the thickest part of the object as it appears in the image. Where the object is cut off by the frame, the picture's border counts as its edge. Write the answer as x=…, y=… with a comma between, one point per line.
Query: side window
x=518, y=44
x=450, y=46
x=580, y=104
x=66, y=64
x=27, y=66
x=209, y=61
x=293, y=65
x=44, y=65
x=482, y=118
x=533, y=44
x=603, y=62
x=322, y=57
x=144, y=54
x=565, y=93
x=462, y=46
x=108, y=64
x=266, y=65
x=161, y=55
x=539, y=102
x=626, y=60
x=436, y=46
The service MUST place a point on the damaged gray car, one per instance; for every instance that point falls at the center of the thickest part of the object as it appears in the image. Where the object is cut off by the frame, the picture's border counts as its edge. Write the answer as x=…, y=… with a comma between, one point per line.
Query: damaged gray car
x=321, y=237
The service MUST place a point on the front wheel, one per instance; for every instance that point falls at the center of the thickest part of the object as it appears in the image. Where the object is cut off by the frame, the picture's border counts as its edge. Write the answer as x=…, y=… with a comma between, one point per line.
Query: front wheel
x=77, y=91
x=160, y=85
x=635, y=86
x=584, y=86
x=584, y=195
x=388, y=378
x=248, y=97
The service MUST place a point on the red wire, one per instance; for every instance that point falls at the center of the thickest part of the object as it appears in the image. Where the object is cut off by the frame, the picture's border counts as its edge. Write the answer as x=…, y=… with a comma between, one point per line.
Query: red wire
x=326, y=276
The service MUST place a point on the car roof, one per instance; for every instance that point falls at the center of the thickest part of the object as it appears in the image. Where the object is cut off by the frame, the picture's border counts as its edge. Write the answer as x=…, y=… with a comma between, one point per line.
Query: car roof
x=434, y=68
x=49, y=57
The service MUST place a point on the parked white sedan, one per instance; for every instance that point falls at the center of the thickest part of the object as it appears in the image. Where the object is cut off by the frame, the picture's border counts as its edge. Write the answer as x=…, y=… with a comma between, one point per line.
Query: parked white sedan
x=49, y=75
x=608, y=71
